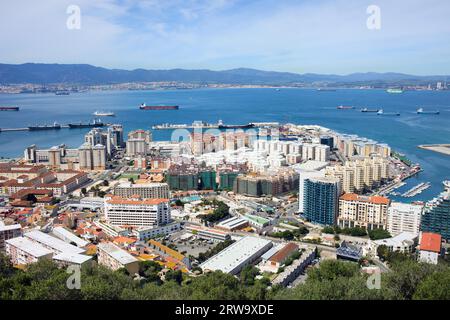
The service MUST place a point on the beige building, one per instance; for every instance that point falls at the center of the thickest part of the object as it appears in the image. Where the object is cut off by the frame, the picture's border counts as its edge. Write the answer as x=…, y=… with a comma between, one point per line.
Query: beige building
x=361, y=211
x=138, y=142
x=114, y=258
x=361, y=173
x=145, y=191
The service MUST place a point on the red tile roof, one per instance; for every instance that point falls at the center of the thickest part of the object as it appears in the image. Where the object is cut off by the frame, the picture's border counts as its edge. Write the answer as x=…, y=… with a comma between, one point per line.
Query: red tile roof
x=431, y=242
x=373, y=199
x=284, y=253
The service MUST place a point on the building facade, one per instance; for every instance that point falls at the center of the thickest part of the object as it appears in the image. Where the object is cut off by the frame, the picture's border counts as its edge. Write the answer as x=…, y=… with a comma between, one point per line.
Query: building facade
x=145, y=191
x=321, y=200
x=136, y=211
x=404, y=217
x=361, y=211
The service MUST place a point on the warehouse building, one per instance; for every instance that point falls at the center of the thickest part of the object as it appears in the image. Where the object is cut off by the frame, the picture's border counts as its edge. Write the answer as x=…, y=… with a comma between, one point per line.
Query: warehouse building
x=235, y=257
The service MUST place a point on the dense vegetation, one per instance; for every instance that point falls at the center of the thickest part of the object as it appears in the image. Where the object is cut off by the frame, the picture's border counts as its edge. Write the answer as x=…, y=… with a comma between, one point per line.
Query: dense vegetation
x=332, y=280
x=355, y=231
x=290, y=234
x=221, y=211
x=203, y=256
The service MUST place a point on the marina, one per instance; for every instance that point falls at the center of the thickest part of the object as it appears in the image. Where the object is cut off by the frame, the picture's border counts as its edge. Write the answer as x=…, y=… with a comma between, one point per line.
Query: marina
x=418, y=189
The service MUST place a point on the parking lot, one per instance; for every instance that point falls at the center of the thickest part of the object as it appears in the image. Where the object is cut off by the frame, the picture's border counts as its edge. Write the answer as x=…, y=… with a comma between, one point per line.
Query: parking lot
x=192, y=246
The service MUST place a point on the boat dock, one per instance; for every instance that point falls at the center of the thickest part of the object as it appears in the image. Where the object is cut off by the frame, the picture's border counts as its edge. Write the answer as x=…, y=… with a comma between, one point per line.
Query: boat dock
x=66, y=126
x=416, y=190
x=218, y=125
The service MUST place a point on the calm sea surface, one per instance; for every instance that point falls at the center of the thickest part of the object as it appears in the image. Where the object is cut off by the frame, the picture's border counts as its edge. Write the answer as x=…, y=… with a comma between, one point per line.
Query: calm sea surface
x=238, y=106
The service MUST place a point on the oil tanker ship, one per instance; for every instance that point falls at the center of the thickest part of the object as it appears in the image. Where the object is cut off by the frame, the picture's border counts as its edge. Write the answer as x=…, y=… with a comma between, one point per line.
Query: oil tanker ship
x=93, y=124
x=145, y=107
x=382, y=113
x=55, y=126
x=9, y=108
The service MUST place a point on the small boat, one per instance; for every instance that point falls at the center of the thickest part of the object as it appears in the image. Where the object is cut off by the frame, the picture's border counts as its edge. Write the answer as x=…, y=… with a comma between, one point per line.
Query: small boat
x=422, y=111
x=394, y=91
x=104, y=114
x=382, y=113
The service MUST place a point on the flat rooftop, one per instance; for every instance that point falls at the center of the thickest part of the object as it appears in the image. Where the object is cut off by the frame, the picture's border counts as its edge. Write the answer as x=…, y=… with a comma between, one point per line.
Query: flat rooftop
x=52, y=242
x=30, y=247
x=236, y=254
x=118, y=254
x=72, y=257
x=63, y=232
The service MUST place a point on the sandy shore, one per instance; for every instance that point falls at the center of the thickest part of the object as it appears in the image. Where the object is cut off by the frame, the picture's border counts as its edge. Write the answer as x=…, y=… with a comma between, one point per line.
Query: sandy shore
x=441, y=148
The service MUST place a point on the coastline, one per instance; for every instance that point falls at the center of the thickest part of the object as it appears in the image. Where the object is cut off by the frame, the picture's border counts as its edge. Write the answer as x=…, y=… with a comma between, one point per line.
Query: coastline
x=442, y=148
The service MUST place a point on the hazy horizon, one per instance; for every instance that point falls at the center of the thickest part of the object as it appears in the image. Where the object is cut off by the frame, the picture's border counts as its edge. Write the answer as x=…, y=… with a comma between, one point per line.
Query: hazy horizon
x=323, y=37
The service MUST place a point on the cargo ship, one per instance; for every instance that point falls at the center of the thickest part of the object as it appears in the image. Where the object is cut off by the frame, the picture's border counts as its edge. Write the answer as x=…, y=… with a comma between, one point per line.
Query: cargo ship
x=62, y=93
x=93, y=124
x=394, y=91
x=326, y=89
x=236, y=126
x=9, y=108
x=382, y=113
x=55, y=126
x=145, y=107
x=345, y=107
x=369, y=110
x=422, y=111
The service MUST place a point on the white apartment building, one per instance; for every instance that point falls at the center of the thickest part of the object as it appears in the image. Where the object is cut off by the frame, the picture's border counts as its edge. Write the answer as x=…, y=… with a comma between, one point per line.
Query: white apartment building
x=404, y=217
x=403, y=242
x=145, y=191
x=23, y=251
x=9, y=232
x=137, y=211
x=51, y=243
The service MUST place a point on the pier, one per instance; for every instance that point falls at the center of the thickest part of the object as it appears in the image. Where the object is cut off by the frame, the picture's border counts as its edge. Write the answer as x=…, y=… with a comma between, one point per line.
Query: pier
x=65, y=126
x=414, y=191
x=218, y=125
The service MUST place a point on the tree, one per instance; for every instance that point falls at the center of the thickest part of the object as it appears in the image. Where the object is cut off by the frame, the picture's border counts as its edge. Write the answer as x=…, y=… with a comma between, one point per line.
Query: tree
x=328, y=229
x=83, y=191
x=434, y=287
x=176, y=276
x=378, y=234
x=215, y=286
x=105, y=183
x=382, y=252
x=248, y=274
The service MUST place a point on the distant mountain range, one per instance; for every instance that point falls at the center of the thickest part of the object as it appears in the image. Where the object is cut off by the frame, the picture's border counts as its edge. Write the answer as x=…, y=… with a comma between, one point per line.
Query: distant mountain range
x=88, y=75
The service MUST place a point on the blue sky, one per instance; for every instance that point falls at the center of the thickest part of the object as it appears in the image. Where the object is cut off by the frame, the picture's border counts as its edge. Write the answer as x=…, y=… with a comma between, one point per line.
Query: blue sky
x=317, y=36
